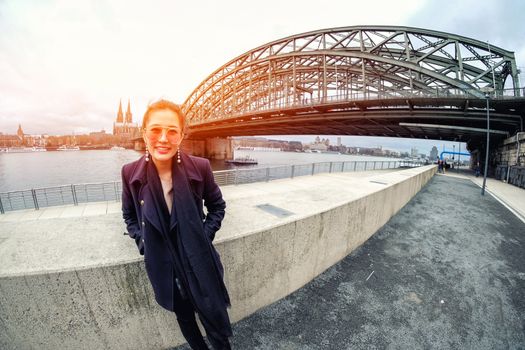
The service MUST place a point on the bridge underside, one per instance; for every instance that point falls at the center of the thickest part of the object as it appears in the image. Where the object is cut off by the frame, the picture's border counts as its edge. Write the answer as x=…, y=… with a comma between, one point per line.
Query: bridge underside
x=458, y=119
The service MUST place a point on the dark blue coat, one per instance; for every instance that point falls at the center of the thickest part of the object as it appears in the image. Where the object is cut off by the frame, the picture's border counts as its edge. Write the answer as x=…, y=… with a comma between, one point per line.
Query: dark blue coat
x=144, y=226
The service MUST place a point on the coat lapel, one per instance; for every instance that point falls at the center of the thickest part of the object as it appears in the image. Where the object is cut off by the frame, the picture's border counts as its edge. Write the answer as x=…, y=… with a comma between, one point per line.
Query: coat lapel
x=139, y=180
x=150, y=211
x=183, y=201
x=193, y=176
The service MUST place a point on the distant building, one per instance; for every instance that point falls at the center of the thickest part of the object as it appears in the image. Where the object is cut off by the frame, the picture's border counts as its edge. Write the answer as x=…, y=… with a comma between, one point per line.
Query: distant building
x=100, y=137
x=433, y=153
x=10, y=140
x=413, y=152
x=20, y=133
x=258, y=143
x=34, y=140
x=319, y=145
x=378, y=151
x=21, y=139
x=101, y=133
x=124, y=128
x=295, y=146
x=390, y=153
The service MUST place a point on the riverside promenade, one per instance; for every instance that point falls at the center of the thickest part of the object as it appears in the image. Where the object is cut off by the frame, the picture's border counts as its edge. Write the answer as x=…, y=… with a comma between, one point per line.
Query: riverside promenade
x=446, y=272
x=432, y=277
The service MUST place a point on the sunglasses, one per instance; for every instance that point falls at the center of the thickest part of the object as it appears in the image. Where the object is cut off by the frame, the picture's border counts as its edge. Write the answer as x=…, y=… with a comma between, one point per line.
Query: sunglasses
x=154, y=133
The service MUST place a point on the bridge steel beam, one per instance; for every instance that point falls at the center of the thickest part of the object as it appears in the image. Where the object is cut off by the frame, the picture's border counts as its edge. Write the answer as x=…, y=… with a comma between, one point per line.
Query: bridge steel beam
x=375, y=71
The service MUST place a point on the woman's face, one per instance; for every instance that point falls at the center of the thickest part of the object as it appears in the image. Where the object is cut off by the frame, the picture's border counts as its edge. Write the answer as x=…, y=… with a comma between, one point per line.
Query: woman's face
x=163, y=135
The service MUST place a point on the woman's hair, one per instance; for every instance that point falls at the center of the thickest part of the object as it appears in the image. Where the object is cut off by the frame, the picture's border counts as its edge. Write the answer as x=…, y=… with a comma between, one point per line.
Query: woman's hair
x=161, y=105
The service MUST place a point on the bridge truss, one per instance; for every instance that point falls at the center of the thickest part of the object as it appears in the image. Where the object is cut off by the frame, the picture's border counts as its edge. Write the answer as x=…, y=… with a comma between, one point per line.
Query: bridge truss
x=372, y=80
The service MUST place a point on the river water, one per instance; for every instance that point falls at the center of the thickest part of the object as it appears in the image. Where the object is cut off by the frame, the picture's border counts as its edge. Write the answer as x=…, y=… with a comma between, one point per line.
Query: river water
x=20, y=171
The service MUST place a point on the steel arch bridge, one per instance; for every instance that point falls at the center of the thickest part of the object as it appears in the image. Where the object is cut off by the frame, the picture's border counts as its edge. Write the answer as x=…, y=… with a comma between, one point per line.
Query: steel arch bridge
x=366, y=80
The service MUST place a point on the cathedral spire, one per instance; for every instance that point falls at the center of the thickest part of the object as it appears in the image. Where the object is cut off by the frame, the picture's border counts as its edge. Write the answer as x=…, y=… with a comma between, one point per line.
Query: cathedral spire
x=128, y=114
x=120, y=117
x=20, y=132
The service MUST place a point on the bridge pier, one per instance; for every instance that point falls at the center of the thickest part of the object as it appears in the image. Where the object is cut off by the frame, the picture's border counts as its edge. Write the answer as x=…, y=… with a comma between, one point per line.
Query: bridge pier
x=508, y=160
x=512, y=150
x=211, y=148
x=194, y=147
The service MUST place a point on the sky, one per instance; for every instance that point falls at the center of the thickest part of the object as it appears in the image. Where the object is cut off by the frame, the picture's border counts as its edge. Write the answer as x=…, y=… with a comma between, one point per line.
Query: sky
x=65, y=65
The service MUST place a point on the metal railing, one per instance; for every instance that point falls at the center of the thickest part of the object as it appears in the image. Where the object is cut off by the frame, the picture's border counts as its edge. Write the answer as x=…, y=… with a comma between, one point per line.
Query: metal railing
x=281, y=104
x=37, y=198
x=242, y=176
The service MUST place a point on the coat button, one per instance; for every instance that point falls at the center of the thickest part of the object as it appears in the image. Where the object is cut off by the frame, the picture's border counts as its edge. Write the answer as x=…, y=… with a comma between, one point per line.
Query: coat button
x=142, y=202
x=143, y=224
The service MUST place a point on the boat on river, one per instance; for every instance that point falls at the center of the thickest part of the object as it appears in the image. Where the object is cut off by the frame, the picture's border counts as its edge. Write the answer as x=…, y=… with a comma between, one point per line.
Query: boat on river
x=68, y=148
x=246, y=160
x=22, y=149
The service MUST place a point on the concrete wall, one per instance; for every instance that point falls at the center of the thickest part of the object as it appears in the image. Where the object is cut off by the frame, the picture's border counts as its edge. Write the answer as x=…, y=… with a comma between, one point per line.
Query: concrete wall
x=112, y=307
x=109, y=307
x=268, y=265
x=507, y=153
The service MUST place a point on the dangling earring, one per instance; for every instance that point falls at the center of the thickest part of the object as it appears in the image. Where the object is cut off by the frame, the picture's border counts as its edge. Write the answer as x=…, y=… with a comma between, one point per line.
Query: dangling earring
x=147, y=155
x=178, y=155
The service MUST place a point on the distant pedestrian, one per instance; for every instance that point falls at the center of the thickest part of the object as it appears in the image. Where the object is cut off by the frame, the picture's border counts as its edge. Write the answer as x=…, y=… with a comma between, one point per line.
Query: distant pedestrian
x=477, y=169
x=440, y=166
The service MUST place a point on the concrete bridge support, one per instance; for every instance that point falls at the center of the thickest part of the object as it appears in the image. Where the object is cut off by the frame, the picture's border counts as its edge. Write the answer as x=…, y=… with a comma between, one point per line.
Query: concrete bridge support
x=219, y=148
x=194, y=147
x=512, y=150
x=509, y=160
x=506, y=159
x=211, y=148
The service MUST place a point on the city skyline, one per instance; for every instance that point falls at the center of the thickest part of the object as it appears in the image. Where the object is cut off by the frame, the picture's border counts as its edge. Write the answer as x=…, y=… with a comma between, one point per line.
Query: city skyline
x=394, y=144
x=65, y=66
x=390, y=143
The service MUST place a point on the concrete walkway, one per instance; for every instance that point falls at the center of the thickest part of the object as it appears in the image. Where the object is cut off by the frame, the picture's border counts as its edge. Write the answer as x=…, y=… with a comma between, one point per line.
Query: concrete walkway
x=73, y=237
x=447, y=272
x=81, y=278
x=511, y=196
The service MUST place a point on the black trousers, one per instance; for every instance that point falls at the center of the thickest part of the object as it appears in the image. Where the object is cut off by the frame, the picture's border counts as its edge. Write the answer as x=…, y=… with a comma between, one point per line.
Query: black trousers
x=188, y=326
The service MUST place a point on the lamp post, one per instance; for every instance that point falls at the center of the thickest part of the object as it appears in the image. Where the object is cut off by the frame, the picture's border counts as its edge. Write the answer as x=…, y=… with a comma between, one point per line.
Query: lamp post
x=459, y=154
x=486, y=91
x=453, y=156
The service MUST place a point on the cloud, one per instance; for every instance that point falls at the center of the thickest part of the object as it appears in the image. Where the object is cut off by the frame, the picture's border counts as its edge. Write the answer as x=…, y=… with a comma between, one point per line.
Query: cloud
x=65, y=65
x=61, y=61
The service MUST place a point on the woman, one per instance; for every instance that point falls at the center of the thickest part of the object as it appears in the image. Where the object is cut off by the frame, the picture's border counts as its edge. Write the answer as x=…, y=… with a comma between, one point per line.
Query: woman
x=162, y=205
